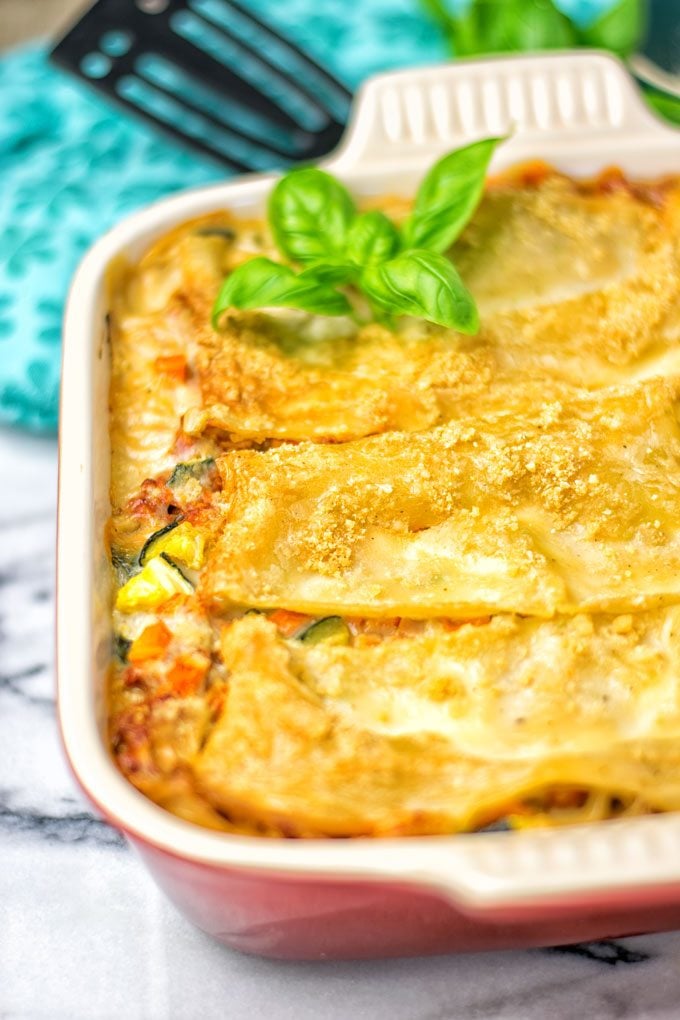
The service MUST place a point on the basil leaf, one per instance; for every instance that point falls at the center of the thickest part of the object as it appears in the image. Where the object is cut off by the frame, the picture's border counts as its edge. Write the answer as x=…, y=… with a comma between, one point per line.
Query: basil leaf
x=494, y=25
x=618, y=29
x=503, y=26
x=331, y=272
x=518, y=26
x=666, y=105
x=448, y=23
x=448, y=196
x=309, y=214
x=424, y=284
x=464, y=36
x=261, y=283
x=372, y=238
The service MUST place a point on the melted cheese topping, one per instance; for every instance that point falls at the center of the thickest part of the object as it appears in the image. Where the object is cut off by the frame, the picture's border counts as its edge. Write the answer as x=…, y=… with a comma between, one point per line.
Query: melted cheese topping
x=525, y=480
x=567, y=509
x=432, y=734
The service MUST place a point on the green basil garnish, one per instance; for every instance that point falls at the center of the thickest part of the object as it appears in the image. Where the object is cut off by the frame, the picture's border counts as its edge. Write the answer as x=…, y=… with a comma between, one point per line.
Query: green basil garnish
x=261, y=283
x=448, y=196
x=424, y=284
x=333, y=272
x=372, y=238
x=310, y=214
x=316, y=225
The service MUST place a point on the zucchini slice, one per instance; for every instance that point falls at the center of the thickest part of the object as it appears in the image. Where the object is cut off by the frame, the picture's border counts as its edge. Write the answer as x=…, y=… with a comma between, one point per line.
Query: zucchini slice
x=123, y=564
x=226, y=233
x=190, y=469
x=156, y=582
x=121, y=647
x=332, y=630
x=185, y=584
x=180, y=541
x=148, y=549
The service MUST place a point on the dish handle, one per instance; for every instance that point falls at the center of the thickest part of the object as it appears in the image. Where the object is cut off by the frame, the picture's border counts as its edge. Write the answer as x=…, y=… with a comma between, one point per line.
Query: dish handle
x=570, y=96
x=606, y=860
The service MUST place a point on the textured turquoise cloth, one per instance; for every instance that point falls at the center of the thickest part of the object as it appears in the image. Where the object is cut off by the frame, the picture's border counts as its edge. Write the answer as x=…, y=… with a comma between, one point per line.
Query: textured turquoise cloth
x=71, y=165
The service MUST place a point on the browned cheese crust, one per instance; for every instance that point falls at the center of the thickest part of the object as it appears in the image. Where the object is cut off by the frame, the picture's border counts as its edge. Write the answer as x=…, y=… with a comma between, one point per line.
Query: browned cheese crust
x=492, y=522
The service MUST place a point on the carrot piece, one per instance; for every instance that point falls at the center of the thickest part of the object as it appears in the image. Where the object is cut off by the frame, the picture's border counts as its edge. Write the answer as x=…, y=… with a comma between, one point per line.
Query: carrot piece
x=289, y=623
x=476, y=621
x=386, y=626
x=173, y=365
x=367, y=640
x=151, y=643
x=186, y=674
x=568, y=798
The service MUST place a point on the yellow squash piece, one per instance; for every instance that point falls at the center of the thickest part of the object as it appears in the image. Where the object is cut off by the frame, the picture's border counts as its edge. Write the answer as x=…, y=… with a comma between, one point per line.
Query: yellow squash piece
x=158, y=581
x=184, y=543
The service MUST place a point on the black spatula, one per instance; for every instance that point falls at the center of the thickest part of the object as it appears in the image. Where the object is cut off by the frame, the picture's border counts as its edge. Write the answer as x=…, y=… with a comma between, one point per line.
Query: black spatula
x=212, y=75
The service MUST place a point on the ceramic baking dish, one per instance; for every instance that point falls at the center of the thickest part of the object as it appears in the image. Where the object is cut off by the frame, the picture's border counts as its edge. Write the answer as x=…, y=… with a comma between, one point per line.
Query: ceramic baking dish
x=360, y=898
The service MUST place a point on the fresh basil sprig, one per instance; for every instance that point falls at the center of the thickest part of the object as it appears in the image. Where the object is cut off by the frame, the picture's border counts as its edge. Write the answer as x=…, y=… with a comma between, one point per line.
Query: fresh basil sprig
x=316, y=225
x=448, y=196
x=267, y=284
x=372, y=238
x=424, y=284
x=310, y=214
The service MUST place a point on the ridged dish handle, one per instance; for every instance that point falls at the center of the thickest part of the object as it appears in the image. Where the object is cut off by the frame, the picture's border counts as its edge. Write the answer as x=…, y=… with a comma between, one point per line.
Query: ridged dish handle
x=609, y=859
x=570, y=96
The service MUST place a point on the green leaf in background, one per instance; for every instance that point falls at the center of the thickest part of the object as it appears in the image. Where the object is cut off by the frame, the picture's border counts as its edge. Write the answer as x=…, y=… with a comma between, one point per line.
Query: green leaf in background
x=460, y=30
x=505, y=26
x=261, y=283
x=502, y=26
x=448, y=196
x=309, y=214
x=372, y=238
x=666, y=105
x=518, y=25
x=424, y=284
x=541, y=26
x=618, y=29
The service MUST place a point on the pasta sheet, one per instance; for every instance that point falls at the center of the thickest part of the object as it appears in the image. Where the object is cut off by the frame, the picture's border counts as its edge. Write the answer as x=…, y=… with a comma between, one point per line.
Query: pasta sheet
x=437, y=734
x=570, y=507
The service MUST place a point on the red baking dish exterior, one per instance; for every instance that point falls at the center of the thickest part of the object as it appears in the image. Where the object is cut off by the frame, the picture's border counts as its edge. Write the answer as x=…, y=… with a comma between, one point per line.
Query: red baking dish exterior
x=311, y=899
x=310, y=919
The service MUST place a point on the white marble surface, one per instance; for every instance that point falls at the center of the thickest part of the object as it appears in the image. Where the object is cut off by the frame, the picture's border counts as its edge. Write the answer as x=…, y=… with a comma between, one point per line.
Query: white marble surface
x=85, y=934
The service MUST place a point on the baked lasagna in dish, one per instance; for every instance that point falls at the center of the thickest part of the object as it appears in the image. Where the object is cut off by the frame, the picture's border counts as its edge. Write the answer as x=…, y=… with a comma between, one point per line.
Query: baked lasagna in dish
x=390, y=578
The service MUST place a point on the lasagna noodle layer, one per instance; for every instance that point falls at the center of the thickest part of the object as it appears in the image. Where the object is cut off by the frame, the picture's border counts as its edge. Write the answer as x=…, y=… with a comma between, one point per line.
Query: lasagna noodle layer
x=572, y=507
x=145, y=411
x=531, y=469
x=437, y=734
x=575, y=289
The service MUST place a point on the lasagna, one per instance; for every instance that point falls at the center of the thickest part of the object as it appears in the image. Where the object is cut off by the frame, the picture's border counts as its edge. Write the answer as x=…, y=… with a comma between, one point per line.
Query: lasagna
x=394, y=580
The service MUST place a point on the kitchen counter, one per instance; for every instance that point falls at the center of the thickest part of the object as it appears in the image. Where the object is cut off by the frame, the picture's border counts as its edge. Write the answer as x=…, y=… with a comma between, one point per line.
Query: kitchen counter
x=84, y=933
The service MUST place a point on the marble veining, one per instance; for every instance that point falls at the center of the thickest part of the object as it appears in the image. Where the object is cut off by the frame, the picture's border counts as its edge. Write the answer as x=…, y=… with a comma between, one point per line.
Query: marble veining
x=84, y=933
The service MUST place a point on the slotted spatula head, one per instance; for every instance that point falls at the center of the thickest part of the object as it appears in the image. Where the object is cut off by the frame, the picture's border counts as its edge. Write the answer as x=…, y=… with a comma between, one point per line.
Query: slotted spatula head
x=212, y=75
